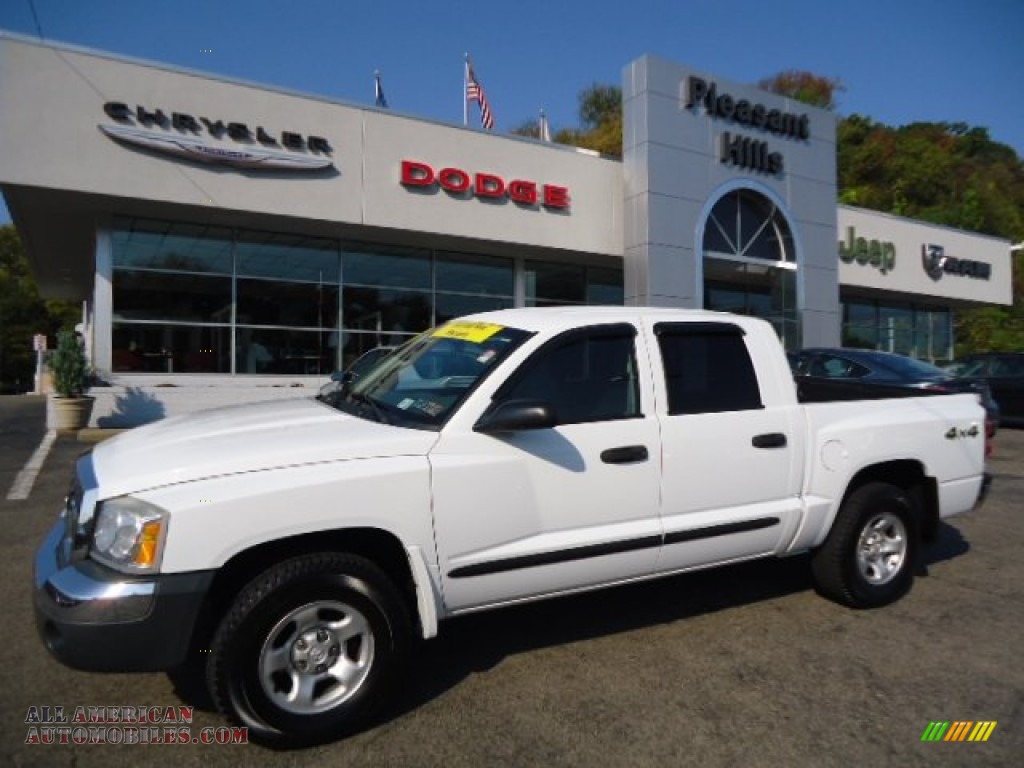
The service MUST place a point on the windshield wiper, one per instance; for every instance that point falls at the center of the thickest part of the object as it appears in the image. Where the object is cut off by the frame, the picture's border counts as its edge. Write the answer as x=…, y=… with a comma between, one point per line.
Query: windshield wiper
x=374, y=406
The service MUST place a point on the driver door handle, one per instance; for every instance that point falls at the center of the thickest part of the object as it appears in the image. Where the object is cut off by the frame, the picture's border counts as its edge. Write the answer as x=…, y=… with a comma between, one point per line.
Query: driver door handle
x=627, y=454
x=770, y=440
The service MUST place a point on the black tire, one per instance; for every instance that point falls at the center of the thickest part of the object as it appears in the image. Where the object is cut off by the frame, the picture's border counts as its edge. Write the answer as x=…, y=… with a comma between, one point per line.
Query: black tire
x=870, y=555
x=309, y=650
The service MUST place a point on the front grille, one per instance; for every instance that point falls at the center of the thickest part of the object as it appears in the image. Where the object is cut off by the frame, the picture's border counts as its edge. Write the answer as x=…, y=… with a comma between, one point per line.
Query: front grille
x=73, y=504
x=78, y=512
x=71, y=513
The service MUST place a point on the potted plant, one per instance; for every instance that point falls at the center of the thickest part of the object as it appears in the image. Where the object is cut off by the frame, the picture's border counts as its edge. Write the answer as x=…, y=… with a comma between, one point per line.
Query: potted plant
x=70, y=369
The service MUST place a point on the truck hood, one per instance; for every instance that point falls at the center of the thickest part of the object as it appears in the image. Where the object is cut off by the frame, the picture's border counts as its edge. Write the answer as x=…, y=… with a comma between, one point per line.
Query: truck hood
x=245, y=438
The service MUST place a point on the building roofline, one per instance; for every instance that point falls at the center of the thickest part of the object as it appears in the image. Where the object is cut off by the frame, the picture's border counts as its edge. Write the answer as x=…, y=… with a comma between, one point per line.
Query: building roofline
x=922, y=222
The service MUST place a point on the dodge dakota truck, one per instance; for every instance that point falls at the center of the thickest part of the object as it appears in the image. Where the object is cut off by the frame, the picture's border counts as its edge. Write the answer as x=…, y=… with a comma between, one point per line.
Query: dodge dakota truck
x=297, y=550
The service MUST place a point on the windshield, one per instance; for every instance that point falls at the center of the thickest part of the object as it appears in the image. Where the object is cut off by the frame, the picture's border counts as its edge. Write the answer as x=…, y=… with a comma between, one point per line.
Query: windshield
x=421, y=383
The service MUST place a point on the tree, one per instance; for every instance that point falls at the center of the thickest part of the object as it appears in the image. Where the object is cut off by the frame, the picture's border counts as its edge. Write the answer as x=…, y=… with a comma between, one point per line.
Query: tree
x=529, y=128
x=69, y=365
x=805, y=87
x=23, y=313
x=600, y=114
x=600, y=104
x=946, y=173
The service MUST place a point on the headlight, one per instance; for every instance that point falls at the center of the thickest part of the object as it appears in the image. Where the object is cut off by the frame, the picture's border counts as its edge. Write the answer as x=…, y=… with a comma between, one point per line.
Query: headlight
x=129, y=534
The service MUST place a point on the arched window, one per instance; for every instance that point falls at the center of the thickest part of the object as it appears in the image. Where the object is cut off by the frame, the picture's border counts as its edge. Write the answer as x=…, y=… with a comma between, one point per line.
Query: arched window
x=750, y=261
x=745, y=224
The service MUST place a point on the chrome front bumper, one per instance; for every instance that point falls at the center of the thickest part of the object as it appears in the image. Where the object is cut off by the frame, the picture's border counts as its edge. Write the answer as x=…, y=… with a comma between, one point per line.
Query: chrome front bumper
x=94, y=618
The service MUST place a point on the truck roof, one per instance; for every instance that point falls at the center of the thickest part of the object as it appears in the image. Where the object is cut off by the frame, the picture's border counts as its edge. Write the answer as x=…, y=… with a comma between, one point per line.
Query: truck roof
x=549, y=319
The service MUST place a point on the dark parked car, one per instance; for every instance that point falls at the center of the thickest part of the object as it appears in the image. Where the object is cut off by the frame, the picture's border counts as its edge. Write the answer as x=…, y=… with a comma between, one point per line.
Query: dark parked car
x=826, y=374
x=1004, y=372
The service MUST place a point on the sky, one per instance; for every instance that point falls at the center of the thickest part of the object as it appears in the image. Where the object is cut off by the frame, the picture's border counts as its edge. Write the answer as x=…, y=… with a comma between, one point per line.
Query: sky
x=900, y=61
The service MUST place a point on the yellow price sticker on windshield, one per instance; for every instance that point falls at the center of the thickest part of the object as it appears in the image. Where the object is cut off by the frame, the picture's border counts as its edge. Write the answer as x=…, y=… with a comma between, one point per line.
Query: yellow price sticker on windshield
x=467, y=331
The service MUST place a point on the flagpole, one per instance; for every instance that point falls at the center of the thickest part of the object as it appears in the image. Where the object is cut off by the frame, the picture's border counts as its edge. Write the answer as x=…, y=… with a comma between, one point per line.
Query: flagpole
x=465, y=90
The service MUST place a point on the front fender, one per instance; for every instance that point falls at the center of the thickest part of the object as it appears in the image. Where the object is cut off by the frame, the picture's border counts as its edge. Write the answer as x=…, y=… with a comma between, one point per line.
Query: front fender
x=213, y=520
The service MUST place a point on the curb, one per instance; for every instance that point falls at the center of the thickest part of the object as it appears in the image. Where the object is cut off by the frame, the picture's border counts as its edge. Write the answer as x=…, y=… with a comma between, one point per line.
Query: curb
x=95, y=435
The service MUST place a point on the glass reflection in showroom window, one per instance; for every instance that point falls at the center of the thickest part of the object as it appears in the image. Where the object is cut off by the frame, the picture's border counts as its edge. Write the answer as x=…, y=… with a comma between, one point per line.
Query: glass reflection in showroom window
x=296, y=305
x=451, y=305
x=605, y=286
x=386, y=312
x=550, y=283
x=171, y=246
x=924, y=333
x=386, y=266
x=474, y=274
x=164, y=348
x=171, y=296
x=289, y=283
x=284, y=351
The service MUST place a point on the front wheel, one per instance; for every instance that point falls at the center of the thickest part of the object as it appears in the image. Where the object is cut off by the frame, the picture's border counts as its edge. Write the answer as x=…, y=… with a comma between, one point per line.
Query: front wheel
x=869, y=556
x=309, y=650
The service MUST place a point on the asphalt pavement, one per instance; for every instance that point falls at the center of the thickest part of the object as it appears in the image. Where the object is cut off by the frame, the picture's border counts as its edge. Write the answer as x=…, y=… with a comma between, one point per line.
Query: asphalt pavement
x=740, y=666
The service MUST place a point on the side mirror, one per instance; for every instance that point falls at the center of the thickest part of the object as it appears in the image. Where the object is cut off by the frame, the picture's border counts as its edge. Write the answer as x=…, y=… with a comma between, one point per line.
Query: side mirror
x=516, y=416
x=344, y=379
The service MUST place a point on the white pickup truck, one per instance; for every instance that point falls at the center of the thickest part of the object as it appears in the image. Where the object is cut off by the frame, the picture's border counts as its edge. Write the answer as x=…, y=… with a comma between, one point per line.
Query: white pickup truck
x=297, y=549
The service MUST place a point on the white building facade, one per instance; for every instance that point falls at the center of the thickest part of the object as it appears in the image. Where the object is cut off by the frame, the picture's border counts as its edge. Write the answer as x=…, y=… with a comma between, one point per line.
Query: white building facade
x=225, y=234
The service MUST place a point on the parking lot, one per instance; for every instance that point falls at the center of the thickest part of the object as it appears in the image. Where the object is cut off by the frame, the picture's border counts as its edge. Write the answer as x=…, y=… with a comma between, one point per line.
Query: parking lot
x=744, y=665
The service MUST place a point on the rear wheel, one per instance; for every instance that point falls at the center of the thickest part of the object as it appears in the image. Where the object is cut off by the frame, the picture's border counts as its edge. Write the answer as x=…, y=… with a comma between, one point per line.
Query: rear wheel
x=869, y=556
x=309, y=649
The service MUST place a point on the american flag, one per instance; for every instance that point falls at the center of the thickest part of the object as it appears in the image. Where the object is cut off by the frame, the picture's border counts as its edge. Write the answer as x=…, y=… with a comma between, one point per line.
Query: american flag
x=475, y=92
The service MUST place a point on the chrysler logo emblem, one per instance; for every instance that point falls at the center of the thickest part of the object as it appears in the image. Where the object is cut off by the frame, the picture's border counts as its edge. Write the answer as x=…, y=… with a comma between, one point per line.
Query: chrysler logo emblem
x=196, y=149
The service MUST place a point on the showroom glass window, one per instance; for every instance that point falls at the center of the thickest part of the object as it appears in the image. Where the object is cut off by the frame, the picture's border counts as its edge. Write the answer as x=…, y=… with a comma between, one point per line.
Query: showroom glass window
x=195, y=299
x=467, y=283
x=605, y=286
x=287, y=301
x=172, y=298
x=553, y=283
x=387, y=297
x=917, y=331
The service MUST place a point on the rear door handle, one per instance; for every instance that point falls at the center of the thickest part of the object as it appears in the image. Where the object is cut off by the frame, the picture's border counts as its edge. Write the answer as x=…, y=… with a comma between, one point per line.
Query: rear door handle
x=627, y=454
x=769, y=440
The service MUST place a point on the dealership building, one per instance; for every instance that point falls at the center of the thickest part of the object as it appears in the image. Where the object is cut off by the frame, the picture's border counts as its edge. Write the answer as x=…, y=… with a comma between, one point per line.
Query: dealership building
x=232, y=241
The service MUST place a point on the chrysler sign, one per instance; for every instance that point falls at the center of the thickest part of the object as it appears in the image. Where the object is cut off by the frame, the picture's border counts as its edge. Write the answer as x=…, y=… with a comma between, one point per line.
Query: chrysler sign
x=184, y=135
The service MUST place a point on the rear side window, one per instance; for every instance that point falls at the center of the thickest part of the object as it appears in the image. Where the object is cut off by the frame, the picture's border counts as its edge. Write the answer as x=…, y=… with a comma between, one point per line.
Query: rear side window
x=1008, y=366
x=707, y=368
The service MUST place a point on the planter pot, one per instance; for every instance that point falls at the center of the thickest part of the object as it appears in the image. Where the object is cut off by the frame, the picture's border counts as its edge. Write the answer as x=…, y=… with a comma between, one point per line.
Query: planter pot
x=71, y=414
